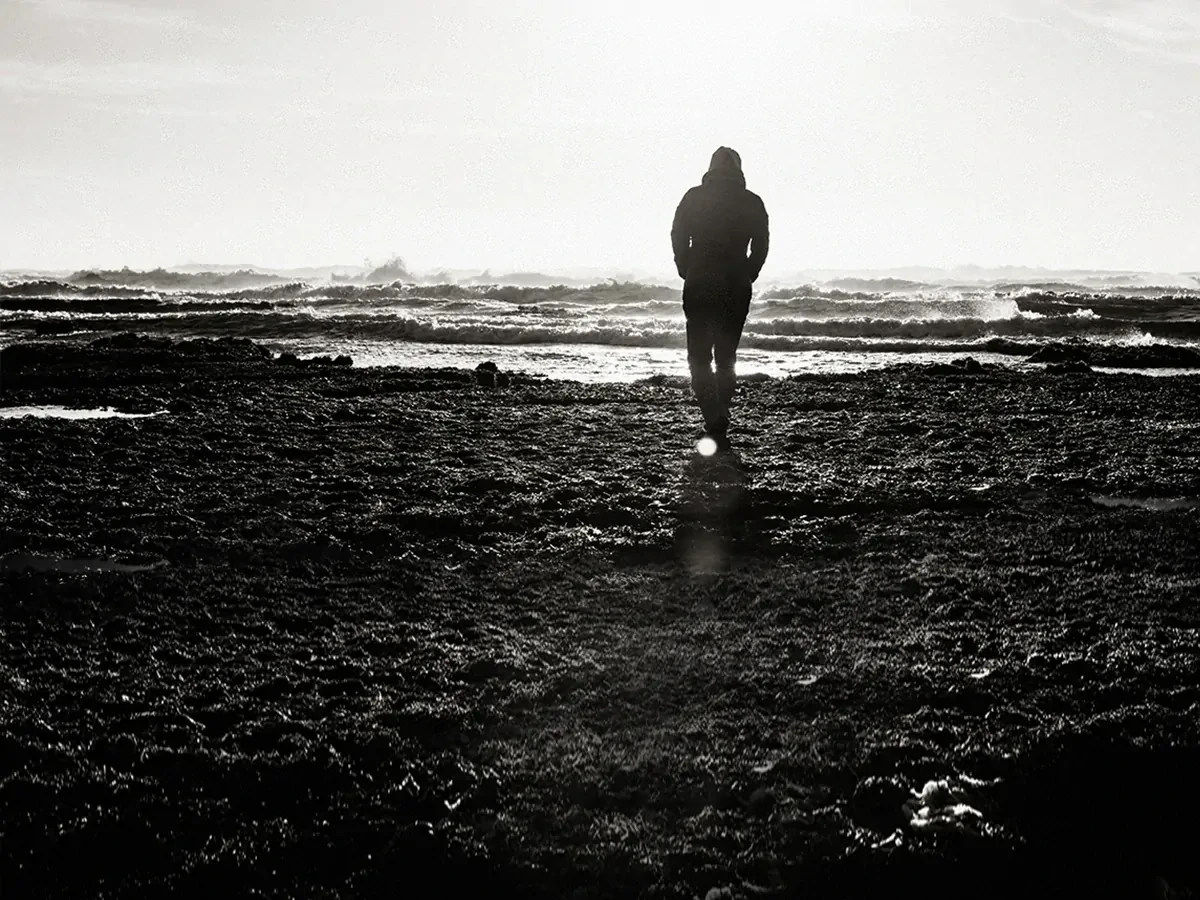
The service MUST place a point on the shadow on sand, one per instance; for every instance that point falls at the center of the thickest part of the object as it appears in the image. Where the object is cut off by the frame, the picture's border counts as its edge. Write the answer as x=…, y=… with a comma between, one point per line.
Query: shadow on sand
x=713, y=504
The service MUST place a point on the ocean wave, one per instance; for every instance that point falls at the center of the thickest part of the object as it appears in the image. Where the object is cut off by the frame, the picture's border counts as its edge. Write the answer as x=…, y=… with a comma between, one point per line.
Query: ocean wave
x=813, y=292
x=966, y=327
x=1176, y=306
x=634, y=298
x=920, y=306
x=44, y=287
x=613, y=292
x=770, y=333
x=162, y=279
x=911, y=318
x=879, y=285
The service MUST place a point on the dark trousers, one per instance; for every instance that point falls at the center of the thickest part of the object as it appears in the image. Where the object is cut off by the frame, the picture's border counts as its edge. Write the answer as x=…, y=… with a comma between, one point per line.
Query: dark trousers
x=716, y=307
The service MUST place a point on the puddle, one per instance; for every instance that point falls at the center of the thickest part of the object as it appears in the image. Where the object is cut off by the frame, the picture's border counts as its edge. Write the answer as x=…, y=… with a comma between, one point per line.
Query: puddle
x=53, y=564
x=63, y=412
x=1157, y=504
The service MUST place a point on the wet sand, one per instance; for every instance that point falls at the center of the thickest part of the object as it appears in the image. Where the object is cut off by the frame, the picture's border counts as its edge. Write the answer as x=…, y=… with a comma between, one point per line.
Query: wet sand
x=319, y=631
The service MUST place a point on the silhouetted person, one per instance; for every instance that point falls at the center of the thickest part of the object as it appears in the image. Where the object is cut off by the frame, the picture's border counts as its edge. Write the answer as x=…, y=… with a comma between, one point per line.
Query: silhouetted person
x=715, y=223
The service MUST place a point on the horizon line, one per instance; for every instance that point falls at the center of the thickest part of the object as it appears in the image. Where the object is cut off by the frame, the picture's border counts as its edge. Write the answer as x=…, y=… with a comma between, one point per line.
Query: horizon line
x=566, y=271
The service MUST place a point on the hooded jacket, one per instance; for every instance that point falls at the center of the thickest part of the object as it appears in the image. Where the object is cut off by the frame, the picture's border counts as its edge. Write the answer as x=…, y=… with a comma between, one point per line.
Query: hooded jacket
x=717, y=221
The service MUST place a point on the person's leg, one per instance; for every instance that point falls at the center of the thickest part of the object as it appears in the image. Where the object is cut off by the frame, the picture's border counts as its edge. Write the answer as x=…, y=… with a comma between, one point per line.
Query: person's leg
x=700, y=358
x=726, y=337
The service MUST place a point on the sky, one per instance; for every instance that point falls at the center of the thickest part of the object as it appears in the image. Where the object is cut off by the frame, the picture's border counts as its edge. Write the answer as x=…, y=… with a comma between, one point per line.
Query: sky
x=536, y=135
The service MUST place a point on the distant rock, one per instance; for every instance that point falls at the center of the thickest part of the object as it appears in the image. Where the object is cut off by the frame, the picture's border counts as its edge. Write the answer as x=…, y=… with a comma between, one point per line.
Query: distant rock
x=661, y=379
x=488, y=374
x=1067, y=368
x=1151, y=356
x=968, y=364
x=127, y=340
x=1058, y=353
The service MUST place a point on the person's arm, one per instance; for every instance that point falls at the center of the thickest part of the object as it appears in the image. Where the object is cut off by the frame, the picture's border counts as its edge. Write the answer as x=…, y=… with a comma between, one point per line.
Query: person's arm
x=681, y=236
x=760, y=241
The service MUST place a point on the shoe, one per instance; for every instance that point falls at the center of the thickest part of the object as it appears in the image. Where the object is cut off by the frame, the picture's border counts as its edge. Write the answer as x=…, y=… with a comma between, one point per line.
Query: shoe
x=717, y=429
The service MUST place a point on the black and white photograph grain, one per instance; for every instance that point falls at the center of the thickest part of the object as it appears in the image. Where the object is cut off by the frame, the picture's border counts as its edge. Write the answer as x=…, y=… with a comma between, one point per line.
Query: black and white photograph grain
x=588, y=449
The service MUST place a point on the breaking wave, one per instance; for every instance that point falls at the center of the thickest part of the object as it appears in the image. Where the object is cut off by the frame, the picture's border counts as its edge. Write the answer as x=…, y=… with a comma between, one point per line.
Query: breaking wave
x=537, y=328
x=611, y=292
x=855, y=315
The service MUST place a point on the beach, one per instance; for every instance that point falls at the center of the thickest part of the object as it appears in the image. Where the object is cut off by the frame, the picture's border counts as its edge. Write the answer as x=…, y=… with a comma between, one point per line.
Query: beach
x=320, y=630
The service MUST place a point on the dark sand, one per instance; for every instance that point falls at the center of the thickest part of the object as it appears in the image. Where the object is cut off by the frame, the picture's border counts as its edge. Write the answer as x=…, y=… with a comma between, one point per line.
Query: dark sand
x=402, y=623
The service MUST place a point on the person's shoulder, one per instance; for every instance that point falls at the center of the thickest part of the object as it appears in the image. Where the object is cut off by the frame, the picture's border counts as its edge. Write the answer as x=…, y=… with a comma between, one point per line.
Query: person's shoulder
x=754, y=204
x=690, y=195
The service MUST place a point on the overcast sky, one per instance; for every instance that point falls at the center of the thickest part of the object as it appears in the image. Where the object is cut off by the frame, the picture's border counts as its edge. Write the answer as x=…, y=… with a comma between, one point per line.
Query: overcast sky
x=529, y=134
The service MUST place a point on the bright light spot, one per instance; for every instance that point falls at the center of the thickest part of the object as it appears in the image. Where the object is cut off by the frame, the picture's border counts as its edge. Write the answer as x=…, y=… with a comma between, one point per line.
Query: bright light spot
x=706, y=446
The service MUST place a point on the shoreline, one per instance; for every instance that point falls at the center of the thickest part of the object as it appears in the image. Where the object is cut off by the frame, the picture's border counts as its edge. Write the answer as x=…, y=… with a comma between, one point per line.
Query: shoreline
x=349, y=624
x=1027, y=357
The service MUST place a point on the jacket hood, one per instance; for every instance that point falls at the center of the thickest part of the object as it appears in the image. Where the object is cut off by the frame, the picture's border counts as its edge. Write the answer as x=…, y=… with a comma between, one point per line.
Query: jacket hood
x=725, y=166
x=724, y=176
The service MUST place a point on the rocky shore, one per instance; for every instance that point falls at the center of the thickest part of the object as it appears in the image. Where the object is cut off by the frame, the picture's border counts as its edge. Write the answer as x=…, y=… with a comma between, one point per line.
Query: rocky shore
x=321, y=631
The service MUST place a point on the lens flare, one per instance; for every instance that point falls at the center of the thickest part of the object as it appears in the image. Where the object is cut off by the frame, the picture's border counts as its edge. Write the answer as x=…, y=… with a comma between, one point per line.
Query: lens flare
x=706, y=446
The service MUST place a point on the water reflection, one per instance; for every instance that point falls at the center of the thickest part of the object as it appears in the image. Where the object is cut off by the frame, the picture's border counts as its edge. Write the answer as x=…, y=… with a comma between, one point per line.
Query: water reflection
x=713, y=500
x=63, y=412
